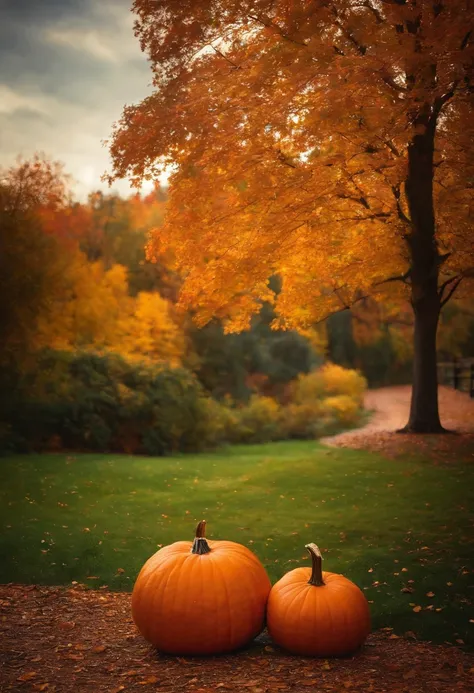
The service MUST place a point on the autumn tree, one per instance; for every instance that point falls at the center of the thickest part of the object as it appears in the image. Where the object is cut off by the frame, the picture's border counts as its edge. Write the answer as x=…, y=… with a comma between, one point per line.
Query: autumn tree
x=31, y=261
x=328, y=141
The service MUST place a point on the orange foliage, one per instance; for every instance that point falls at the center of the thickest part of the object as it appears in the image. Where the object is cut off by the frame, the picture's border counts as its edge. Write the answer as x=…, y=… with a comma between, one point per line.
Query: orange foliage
x=295, y=156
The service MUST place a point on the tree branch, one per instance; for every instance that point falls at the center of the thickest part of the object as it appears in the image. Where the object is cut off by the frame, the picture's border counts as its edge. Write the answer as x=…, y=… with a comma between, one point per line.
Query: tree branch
x=456, y=281
x=397, y=278
x=400, y=212
x=267, y=22
x=378, y=17
x=222, y=55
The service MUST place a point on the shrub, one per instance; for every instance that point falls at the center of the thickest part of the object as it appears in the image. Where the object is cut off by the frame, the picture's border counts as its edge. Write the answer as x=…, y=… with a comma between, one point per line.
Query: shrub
x=302, y=420
x=92, y=402
x=102, y=402
x=258, y=421
x=221, y=423
x=324, y=402
x=343, y=408
x=329, y=380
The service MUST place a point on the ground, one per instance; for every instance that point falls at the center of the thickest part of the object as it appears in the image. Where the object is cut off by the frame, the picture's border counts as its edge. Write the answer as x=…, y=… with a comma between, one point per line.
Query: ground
x=399, y=525
x=71, y=640
x=390, y=407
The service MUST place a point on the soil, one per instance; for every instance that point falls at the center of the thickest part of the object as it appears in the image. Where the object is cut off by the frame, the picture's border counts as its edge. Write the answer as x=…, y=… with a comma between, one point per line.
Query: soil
x=72, y=639
x=390, y=407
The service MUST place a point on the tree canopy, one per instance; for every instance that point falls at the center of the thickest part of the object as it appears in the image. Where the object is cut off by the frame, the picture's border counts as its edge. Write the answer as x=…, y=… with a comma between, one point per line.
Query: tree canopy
x=288, y=124
x=329, y=142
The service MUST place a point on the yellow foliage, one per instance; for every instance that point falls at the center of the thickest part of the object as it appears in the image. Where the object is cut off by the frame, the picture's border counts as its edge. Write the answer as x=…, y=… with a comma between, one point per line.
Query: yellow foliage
x=318, y=338
x=343, y=408
x=259, y=420
x=97, y=312
x=302, y=420
x=150, y=332
x=329, y=380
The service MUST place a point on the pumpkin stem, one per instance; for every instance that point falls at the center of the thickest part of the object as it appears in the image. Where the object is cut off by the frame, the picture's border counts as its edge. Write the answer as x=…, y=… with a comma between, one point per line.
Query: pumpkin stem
x=316, y=578
x=200, y=545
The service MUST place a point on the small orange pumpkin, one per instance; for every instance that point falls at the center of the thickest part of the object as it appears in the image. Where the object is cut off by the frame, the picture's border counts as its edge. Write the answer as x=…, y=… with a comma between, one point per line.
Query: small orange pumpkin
x=202, y=597
x=319, y=614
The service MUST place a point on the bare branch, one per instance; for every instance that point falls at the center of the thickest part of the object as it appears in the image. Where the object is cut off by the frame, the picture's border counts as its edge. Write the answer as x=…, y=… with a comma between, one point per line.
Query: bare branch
x=397, y=278
x=267, y=22
x=466, y=39
x=378, y=17
x=400, y=212
x=451, y=291
x=222, y=55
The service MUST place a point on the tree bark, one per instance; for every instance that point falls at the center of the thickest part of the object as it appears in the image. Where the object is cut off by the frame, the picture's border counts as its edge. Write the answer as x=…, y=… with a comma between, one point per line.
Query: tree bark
x=424, y=414
x=425, y=260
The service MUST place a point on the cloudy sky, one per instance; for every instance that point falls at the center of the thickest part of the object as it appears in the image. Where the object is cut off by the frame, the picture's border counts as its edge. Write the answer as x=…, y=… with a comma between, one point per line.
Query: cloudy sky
x=67, y=68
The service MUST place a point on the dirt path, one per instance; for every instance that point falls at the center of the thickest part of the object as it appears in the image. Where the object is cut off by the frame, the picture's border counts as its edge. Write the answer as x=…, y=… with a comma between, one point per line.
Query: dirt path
x=391, y=406
x=59, y=640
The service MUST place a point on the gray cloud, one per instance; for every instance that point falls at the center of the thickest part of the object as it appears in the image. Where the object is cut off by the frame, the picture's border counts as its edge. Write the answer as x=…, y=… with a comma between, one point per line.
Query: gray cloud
x=67, y=67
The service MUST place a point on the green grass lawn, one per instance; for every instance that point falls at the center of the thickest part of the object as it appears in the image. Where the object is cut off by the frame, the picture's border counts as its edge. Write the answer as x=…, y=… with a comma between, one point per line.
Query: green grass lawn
x=387, y=525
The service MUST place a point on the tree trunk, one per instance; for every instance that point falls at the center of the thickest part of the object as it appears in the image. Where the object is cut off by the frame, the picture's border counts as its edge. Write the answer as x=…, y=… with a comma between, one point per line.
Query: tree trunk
x=424, y=415
x=424, y=256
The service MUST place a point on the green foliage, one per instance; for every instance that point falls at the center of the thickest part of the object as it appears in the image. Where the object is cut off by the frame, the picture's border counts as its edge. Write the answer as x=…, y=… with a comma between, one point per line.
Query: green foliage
x=30, y=275
x=87, y=401
x=323, y=402
x=258, y=421
x=92, y=402
x=226, y=363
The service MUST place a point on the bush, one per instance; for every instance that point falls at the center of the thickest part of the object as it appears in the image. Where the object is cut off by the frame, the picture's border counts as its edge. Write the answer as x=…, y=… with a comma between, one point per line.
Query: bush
x=329, y=380
x=93, y=402
x=302, y=421
x=221, y=423
x=258, y=421
x=104, y=403
x=324, y=402
x=343, y=408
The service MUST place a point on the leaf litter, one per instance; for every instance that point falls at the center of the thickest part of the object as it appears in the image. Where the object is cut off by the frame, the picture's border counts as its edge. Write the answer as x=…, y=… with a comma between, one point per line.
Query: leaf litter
x=103, y=652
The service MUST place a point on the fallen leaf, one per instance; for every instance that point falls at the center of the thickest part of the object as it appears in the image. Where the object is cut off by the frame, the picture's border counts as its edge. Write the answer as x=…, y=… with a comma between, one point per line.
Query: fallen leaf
x=417, y=609
x=430, y=594
x=27, y=677
x=99, y=648
x=66, y=625
x=150, y=679
x=40, y=686
x=410, y=674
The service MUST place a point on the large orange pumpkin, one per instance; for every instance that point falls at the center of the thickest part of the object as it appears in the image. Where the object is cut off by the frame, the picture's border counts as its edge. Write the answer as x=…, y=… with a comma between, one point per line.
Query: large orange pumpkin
x=315, y=613
x=202, y=597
